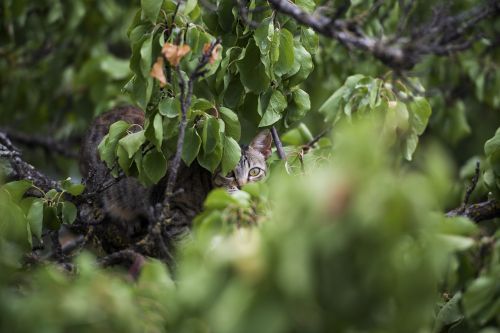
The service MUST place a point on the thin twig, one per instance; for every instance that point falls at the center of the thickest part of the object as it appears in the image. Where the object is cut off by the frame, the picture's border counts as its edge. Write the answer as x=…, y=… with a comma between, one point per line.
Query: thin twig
x=318, y=137
x=472, y=185
x=278, y=144
x=153, y=242
x=186, y=95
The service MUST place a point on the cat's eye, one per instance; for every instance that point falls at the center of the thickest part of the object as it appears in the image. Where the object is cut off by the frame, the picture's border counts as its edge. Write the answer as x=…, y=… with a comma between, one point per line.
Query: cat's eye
x=254, y=172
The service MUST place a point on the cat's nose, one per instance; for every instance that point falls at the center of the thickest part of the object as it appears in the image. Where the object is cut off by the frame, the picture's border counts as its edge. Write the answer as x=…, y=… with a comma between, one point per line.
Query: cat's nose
x=241, y=182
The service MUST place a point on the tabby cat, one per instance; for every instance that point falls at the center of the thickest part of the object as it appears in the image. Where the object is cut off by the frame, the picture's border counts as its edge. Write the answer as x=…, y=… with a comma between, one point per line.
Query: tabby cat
x=128, y=205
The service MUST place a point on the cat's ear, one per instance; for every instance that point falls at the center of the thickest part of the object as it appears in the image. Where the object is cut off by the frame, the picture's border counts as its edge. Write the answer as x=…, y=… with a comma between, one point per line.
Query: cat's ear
x=262, y=143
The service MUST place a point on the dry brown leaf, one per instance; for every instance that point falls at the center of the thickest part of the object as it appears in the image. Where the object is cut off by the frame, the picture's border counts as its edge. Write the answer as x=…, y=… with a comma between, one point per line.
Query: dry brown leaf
x=215, y=52
x=175, y=53
x=157, y=72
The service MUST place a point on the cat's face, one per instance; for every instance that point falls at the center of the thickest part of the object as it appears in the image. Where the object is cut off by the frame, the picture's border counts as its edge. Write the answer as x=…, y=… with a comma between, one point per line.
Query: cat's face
x=251, y=167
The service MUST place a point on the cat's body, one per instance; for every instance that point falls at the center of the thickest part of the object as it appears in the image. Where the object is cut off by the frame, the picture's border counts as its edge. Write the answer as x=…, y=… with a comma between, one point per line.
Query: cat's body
x=128, y=205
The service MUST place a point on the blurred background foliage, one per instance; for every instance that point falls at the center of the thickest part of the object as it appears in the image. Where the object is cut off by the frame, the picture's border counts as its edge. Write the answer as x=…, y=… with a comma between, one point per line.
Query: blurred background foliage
x=354, y=240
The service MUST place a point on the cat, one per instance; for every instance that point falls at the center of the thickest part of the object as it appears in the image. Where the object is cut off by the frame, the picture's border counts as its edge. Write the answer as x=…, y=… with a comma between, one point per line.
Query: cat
x=128, y=206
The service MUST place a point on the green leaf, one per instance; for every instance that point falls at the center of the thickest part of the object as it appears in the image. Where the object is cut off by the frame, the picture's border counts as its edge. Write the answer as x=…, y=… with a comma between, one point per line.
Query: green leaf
x=420, y=113
x=107, y=147
x=140, y=89
x=150, y=9
x=299, y=107
x=274, y=52
x=264, y=35
x=141, y=174
x=450, y=313
x=225, y=14
x=51, y=194
x=307, y=5
x=277, y=104
x=352, y=81
x=309, y=39
x=456, y=243
x=68, y=212
x=192, y=144
x=50, y=218
x=218, y=199
x=192, y=39
x=304, y=60
x=234, y=93
x=375, y=93
x=155, y=165
x=331, y=107
x=231, y=155
x=201, y=104
x=73, y=189
x=233, y=127
x=286, y=53
x=132, y=142
x=479, y=294
x=252, y=72
x=456, y=126
x=146, y=56
x=170, y=107
x=123, y=160
x=190, y=5
x=13, y=224
x=410, y=145
x=492, y=151
x=116, y=68
x=35, y=218
x=492, y=146
x=210, y=134
x=17, y=189
x=158, y=131
x=210, y=161
x=458, y=225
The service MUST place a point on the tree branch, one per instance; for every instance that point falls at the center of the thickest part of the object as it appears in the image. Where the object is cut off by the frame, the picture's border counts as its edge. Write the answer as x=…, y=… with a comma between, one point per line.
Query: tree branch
x=442, y=36
x=478, y=212
x=186, y=95
x=278, y=144
x=153, y=242
x=22, y=169
x=473, y=184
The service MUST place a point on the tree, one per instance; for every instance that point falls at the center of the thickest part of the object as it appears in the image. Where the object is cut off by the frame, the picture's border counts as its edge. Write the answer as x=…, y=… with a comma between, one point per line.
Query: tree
x=364, y=226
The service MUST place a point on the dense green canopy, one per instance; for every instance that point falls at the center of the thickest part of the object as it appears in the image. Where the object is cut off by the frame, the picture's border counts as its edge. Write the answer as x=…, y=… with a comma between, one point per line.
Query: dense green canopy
x=382, y=216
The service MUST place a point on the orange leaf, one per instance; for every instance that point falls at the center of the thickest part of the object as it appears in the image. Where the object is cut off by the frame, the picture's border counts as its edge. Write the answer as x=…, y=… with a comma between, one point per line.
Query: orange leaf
x=157, y=72
x=215, y=52
x=175, y=53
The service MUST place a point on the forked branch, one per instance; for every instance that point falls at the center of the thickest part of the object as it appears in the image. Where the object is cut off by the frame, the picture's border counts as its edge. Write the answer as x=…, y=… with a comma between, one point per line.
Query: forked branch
x=442, y=35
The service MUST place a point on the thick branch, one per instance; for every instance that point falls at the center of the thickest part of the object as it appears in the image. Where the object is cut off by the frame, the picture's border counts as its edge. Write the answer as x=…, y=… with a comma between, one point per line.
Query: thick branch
x=478, y=212
x=441, y=36
x=22, y=169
